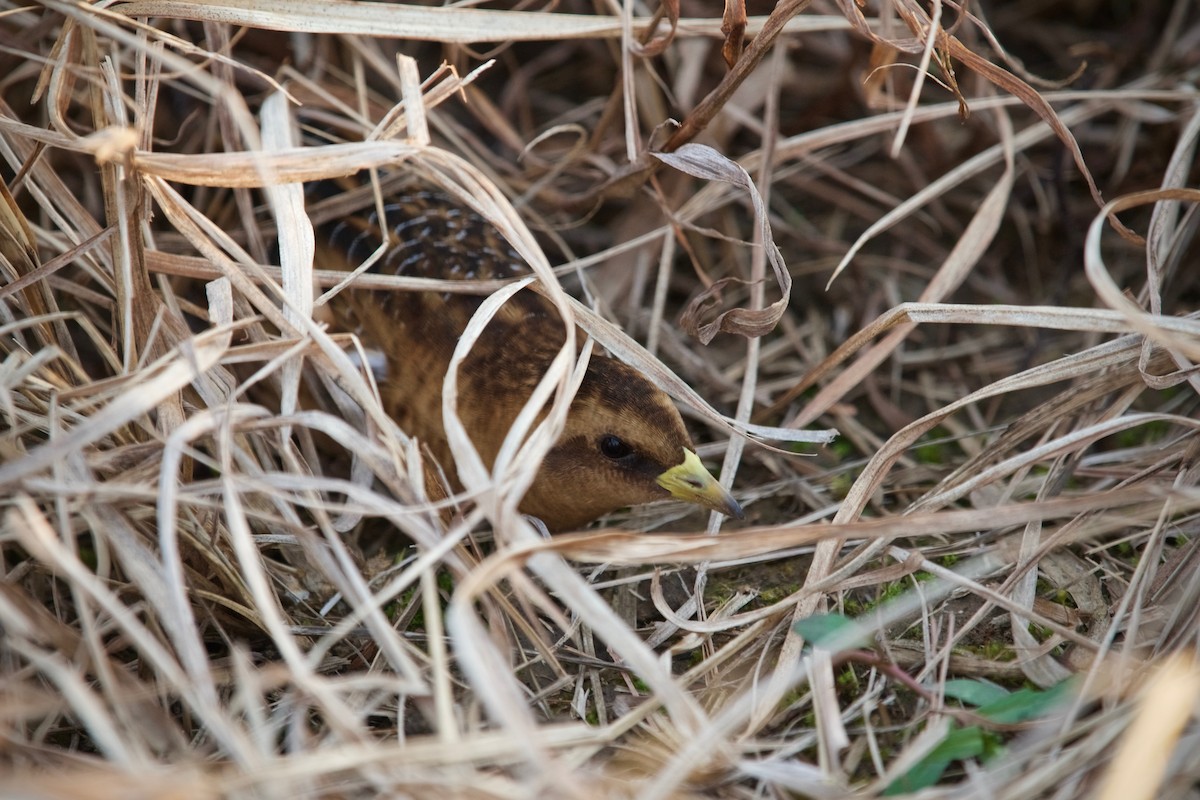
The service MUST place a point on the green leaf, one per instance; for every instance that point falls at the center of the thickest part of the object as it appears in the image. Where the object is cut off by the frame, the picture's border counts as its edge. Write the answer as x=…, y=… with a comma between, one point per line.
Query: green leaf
x=959, y=743
x=974, y=693
x=833, y=631
x=1027, y=704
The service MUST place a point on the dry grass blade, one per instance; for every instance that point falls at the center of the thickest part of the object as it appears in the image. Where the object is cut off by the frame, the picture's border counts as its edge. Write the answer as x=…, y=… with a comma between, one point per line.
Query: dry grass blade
x=229, y=572
x=706, y=164
x=1167, y=706
x=462, y=25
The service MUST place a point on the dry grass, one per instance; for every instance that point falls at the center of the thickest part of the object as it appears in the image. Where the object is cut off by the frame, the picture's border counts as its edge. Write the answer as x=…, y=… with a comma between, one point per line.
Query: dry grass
x=186, y=611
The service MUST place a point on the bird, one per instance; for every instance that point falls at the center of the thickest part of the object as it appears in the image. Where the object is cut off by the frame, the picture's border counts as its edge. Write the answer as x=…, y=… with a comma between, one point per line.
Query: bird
x=623, y=443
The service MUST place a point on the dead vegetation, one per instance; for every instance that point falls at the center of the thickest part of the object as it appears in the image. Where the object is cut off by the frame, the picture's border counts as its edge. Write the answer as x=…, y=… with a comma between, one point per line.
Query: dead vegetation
x=984, y=280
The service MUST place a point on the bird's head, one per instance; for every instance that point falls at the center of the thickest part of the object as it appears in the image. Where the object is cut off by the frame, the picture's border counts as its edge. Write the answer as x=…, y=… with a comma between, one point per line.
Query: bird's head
x=624, y=443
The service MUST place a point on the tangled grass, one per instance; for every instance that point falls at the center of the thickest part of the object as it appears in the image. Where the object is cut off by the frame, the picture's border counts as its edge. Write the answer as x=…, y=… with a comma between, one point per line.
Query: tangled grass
x=988, y=586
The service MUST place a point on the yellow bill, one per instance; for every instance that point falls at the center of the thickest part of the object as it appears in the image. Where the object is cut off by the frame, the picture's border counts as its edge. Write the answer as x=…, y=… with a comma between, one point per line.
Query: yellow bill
x=690, y=482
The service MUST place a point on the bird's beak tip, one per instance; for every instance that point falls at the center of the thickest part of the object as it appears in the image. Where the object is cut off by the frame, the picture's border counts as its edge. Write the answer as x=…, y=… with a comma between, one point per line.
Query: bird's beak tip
x=690, y=482
x=735, y=509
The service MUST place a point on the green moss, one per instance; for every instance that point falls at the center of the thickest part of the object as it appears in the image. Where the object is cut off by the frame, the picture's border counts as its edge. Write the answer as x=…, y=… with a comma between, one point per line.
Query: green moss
x=842, y=449
x=87, y=553
x=852, y=606
x=719, y=592
x=839, y=484
x=936, y=447
x=991, y=651
x=889, y=591
x=1141, y=435
x=774, y=594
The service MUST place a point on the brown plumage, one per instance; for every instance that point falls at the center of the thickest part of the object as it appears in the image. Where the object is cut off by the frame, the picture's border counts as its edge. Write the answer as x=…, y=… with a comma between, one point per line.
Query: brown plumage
x=624, y=442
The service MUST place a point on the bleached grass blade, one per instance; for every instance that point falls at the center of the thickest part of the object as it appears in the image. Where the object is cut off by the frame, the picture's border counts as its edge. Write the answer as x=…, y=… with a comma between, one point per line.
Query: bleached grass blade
x=296, y=238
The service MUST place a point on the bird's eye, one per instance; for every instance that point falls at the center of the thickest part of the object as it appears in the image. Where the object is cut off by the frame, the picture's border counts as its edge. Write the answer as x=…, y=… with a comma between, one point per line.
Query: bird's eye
x=612, y=447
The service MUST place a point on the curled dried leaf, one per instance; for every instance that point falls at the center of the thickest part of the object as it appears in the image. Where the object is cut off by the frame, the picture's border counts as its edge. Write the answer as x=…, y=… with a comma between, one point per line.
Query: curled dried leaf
x=733, y=27
x=704, y=162
x=655, y=39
